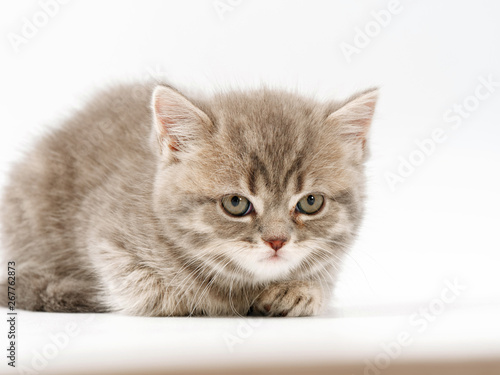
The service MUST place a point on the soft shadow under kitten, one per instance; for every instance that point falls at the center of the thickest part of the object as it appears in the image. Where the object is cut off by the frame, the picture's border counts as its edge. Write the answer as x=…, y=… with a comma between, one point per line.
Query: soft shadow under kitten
x=147, y=202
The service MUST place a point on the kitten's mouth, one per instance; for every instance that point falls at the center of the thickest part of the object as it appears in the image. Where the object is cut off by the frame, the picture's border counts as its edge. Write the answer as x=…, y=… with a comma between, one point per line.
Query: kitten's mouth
x=274, y=258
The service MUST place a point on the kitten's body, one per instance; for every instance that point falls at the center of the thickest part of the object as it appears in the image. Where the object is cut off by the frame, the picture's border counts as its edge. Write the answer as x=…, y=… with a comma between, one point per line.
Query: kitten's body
x=109, y=214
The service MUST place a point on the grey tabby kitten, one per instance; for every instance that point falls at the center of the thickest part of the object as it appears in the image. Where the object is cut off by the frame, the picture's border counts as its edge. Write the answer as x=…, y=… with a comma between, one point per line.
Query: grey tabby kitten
x=147, y=202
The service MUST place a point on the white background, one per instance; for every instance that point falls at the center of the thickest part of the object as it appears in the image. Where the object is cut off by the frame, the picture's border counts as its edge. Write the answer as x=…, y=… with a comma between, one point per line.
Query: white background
x=440, y=223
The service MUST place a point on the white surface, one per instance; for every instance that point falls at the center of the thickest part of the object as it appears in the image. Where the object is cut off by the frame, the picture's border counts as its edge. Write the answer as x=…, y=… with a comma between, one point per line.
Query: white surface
x=59, y=343
x=440, y=224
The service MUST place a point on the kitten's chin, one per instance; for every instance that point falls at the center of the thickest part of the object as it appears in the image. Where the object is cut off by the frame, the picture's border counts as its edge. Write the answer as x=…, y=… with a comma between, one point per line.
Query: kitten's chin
x=263, y=265
x=272, y=268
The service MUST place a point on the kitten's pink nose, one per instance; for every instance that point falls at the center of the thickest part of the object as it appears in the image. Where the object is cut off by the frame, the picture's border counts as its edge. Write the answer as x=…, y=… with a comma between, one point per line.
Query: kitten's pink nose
x=276, y=243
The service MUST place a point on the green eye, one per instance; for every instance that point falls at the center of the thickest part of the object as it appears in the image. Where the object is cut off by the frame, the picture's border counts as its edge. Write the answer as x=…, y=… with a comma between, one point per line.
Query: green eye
x=310, y=204
x=236, y=205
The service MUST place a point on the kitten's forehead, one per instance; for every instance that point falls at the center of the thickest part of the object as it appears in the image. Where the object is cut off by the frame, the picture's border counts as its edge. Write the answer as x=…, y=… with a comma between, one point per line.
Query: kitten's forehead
x=265, y=116
x=271, y=135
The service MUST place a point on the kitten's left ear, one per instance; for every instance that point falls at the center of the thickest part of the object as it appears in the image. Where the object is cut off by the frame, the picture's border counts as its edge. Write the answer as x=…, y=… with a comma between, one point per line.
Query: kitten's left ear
x=353, y=119
x=179, y=124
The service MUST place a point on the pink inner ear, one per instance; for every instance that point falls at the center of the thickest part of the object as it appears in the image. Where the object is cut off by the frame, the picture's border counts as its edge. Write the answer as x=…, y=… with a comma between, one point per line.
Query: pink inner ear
x=360, y=129
x=178, y=122
x=166, y=123
x=173, y=145
x=356, y=117
x=365, y=123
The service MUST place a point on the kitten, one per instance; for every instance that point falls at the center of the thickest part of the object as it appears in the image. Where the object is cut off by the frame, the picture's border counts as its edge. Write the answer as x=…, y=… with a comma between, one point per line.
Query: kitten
x=147, y=202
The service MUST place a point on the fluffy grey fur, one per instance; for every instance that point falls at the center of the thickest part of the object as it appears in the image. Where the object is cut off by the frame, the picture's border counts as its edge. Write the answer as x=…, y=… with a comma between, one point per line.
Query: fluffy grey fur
x=120, y=208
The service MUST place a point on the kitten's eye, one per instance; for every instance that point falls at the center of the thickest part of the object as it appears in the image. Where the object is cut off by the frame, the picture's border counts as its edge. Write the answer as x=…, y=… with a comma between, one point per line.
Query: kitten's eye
x=236, y=205
x=310, y=204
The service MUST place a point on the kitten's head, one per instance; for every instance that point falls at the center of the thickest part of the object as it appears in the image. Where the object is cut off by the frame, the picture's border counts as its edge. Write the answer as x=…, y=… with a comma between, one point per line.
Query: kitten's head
x=260, y=186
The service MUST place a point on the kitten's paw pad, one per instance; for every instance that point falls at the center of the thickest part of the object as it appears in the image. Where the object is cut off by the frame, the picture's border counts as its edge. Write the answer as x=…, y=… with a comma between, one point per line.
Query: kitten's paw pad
x=288, y=299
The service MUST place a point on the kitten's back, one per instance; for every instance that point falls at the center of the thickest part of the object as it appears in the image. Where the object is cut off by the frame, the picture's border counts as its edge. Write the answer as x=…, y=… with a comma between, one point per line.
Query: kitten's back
x=43, y=207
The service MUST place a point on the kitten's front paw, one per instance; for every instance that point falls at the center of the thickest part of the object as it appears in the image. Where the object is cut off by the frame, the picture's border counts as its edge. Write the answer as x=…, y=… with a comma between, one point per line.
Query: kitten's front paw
x=293, y=298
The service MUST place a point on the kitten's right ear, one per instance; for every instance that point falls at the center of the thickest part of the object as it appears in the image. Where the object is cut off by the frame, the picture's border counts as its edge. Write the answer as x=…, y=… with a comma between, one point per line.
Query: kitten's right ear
x=178, y=123
x=353, y=119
